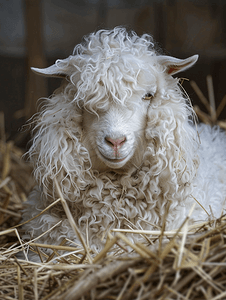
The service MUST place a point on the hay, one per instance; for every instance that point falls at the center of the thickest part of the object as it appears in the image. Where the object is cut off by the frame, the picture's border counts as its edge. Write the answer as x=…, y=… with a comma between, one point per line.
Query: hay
x=213, y=113
x=187, y=263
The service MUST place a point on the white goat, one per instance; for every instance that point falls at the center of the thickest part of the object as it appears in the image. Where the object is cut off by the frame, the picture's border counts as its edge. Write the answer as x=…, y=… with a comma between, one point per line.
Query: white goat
x=119, y=139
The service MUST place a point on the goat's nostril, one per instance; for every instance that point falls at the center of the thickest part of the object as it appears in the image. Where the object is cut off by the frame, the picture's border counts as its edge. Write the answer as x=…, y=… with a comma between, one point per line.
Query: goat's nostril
x=115, y=143
x=109, y=142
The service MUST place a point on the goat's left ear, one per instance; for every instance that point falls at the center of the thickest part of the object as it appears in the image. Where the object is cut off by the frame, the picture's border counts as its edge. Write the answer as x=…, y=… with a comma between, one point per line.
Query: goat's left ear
x=174, y=65
x=61, y=68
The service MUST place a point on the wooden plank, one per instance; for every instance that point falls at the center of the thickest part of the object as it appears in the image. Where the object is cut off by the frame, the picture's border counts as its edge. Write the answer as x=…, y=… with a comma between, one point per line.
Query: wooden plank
x=36, y=86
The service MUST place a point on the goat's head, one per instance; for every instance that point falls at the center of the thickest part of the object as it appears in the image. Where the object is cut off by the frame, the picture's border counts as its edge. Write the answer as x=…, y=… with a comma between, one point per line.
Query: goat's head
x=116, y=78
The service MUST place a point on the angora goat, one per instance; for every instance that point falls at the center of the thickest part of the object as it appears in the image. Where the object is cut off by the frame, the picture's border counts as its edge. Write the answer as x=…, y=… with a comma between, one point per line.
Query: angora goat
x=119, y=139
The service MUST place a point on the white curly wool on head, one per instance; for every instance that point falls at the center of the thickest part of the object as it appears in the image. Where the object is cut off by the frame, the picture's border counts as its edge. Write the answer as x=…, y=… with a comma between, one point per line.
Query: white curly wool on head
x=119, y=139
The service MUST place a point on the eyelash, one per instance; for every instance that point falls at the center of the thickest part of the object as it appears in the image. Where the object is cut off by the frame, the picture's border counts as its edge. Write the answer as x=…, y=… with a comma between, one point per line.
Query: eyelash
x=148, y=96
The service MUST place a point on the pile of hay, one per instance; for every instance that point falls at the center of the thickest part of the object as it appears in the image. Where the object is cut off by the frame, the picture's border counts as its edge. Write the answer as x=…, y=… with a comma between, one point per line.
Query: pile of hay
x=188, y=263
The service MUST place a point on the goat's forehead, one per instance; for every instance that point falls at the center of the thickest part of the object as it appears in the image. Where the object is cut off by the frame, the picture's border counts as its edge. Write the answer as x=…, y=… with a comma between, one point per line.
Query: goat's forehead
x=125, y=59
x=124, y=70
x=118, y=78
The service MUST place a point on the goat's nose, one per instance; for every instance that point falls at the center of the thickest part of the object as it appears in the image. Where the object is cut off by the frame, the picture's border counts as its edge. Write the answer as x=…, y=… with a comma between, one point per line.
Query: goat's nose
x=115, y=143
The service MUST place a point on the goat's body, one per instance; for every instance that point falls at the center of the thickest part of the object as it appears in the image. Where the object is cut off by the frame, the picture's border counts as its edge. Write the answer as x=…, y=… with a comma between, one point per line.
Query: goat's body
x=120, y=201
x=119, y=141
x=210, y=183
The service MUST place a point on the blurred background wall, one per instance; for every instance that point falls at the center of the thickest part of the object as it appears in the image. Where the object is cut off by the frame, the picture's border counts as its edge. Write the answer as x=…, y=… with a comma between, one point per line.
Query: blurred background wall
x=37, y=32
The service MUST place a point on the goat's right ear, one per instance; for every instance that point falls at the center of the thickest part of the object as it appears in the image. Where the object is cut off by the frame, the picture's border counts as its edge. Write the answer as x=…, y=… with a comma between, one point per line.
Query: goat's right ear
x=174, y=65
x=62, y=68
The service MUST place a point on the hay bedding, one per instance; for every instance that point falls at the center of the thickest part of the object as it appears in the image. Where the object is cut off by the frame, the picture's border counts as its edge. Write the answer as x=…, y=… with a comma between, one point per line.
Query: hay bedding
x=185, y=264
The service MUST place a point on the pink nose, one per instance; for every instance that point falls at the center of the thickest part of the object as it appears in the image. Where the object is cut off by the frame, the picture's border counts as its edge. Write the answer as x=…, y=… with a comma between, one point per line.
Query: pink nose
x=115, y=143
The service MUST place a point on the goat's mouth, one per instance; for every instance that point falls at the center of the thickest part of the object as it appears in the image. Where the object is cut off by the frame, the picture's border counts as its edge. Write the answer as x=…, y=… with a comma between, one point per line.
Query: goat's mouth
x=114, y=162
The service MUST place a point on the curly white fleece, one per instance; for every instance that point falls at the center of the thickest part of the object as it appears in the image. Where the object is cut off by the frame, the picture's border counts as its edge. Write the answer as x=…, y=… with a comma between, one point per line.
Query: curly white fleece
x=175, y=167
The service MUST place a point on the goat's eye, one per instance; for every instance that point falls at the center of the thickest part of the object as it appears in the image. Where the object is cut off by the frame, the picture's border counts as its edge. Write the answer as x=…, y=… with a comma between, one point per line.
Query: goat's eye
x=148, y=96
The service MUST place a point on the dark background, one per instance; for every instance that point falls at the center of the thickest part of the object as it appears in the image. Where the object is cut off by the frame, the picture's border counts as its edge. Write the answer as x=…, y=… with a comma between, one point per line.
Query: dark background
x=37, y=32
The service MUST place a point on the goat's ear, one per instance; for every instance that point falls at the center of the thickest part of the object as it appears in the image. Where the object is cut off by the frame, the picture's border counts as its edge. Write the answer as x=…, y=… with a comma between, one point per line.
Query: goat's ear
x=62, y=68
x=175, y=65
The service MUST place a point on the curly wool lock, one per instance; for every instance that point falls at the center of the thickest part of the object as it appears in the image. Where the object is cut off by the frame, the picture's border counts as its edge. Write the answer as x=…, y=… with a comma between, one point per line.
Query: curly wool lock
x=119, y=139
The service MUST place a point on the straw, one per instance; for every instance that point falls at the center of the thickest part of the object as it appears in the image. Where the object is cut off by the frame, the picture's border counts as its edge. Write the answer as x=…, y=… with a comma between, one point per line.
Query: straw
x=213, y=112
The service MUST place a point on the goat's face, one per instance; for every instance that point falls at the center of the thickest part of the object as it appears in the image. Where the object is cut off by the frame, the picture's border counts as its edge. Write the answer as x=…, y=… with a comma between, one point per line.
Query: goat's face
x=116, y=135
x=109, y=74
